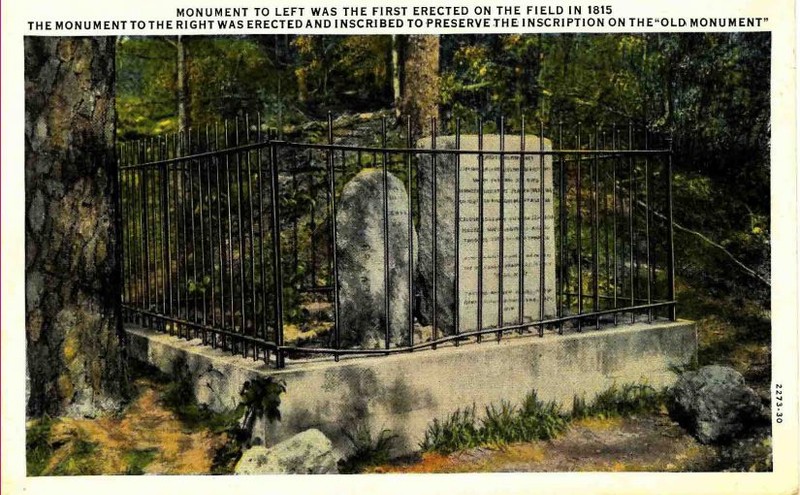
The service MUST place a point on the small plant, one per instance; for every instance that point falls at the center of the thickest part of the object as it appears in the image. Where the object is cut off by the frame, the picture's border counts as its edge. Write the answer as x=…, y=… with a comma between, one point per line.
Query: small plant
x=261, y=397
x=367, y=452
x=629, y=400
x=138, y=459
x=459, y=431
x=501, y=425
x=38, y=449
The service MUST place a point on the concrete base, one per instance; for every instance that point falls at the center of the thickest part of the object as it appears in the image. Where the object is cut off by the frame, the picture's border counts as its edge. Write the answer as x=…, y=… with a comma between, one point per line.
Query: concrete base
x=404, y=393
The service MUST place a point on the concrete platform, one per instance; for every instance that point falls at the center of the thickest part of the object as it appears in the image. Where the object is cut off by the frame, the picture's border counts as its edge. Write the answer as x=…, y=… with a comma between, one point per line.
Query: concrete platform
x=405, y=392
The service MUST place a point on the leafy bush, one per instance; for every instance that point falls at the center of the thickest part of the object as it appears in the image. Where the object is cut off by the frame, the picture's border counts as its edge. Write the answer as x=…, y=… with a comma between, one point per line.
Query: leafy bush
x=367, y=452
x=629, y=400
x=533, y=420
x=37, y=445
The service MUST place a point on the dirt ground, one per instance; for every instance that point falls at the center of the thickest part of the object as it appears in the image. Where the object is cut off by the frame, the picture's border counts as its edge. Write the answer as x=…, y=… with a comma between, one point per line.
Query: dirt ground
x=146, y=439
x=652, y=443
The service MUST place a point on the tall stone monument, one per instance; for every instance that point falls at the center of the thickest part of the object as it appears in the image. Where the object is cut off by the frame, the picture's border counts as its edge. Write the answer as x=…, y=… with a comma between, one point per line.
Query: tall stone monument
x=500, y=264
x=361, y=251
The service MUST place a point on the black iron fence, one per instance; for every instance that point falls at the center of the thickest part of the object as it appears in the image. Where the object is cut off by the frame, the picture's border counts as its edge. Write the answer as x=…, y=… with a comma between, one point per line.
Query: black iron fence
x=272, y=248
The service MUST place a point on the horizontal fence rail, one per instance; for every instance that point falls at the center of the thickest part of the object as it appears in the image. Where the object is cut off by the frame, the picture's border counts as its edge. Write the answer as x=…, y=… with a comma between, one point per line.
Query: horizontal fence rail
x=274, y=249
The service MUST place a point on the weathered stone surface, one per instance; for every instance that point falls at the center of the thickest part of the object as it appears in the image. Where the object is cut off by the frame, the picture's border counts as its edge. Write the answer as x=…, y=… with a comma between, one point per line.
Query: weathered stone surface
x=468, y=227
x=402, y=392
x=715, y=404
x=360, y=252
x=309, y=452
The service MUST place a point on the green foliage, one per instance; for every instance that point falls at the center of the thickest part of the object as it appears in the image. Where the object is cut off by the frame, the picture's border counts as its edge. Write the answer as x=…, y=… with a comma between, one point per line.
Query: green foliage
x=80, y=461
x=138, y=459
x=38, y=448
x=262, y=397
x=366, y=450
x=628, y=400
x=534, y=420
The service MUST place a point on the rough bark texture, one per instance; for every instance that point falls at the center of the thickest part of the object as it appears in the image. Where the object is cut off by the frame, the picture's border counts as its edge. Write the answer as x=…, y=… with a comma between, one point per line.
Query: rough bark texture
x=183, y=86
x=74, y=351
x=421, y=81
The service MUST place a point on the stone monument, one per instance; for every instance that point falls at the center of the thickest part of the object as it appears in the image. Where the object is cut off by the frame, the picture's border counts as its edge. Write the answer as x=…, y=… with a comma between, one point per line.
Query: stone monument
x=361, y=255
x=498, y=267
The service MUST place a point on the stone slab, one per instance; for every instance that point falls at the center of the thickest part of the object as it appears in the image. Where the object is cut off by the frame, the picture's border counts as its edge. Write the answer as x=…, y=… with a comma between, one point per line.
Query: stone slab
x=504, y=204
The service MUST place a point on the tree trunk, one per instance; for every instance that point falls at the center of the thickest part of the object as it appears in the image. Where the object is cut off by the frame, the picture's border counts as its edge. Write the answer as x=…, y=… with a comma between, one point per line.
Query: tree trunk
x=74, y=350
x=421, y=81
x=183, y=87
x=395, y=66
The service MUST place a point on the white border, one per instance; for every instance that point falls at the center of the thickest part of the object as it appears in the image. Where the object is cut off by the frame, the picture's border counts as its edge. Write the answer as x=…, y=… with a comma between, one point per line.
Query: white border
x=781, y=23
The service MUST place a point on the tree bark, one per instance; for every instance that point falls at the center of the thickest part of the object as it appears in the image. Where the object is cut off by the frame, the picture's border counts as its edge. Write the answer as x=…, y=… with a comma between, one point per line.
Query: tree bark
x=395, y=66
x=421, y=81
x=74, y=352
x=183, y=87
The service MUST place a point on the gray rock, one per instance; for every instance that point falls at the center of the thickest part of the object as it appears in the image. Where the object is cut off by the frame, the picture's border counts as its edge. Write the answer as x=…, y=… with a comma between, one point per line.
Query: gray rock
x=309, y=452
x=467, y=250
x=360, y=252
x=715, y=404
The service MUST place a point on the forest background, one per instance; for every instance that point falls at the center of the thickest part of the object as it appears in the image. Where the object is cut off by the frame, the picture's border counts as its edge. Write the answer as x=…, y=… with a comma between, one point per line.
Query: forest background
x=709, y=91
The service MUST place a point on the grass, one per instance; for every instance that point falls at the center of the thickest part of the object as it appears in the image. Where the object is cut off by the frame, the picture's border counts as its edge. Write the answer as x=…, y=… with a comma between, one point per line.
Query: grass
x=367, y=451
x=501, y=425
x=630, y=399
x=534, y=419
x=138, y=459
x=38, y=448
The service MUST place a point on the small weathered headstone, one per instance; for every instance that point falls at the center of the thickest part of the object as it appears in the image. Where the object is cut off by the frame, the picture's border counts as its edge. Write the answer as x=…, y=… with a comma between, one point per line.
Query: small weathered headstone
x=309, y=452
x=462, y=258
x=715, y=404
x=362, y=273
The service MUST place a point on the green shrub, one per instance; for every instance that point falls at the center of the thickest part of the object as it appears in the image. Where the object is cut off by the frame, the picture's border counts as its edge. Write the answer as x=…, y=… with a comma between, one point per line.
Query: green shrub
x=533, y=420
x=37, y=445
x=366, y=451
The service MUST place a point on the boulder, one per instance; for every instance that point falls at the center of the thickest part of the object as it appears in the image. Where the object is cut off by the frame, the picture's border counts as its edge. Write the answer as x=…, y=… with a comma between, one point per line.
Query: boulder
x=716, y=405
x=361, y=255
x=309, y=452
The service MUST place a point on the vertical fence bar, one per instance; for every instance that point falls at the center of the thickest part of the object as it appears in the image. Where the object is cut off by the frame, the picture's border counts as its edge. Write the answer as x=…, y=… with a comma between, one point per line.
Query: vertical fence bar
x=596, y=232
x=242, y=262
x=501, y=229
x=190, y=191
x=614, y=143
x=480, y=228
x=542, y=230
x=521, y=228
x=276, y=254
x=631, y=206
x=457, y=235
x=434, y=308
x=578, y=228
x=212, y=270
x=410, y=224
x=253, y=317
x=166, y=229
x=647, y=228
x=145, y=232
x=385, y=178
x=201, y=283
x=178, y=222
x=261, y=231
x=335, y=274
x=563, y=299
x=220, y=245
x=229, y=239
x=671, y=241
